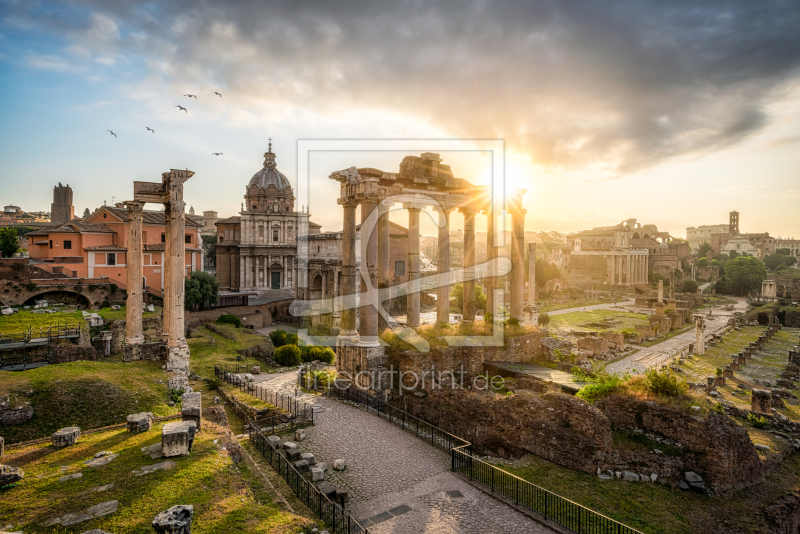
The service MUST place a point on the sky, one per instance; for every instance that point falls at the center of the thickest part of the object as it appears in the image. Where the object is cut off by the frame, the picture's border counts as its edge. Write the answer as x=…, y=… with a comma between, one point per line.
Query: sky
x=674, y=113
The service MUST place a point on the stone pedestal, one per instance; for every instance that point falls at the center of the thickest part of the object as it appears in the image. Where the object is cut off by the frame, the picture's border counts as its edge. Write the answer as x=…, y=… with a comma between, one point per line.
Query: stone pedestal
x=176, y=520
x=177, y=438
x=727, y=373
x=140, y=422
x=66, y=436
x=761, y=401
x=719, y=381
x=191, y=409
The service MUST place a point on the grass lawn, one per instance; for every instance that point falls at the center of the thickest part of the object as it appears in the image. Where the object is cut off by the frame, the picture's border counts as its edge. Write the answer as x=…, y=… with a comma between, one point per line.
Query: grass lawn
x=227, y=497
x=24, y=319
x=548, y=305
x=656, y=509
x=206, y=353
x=573, y=320
x=84, y=394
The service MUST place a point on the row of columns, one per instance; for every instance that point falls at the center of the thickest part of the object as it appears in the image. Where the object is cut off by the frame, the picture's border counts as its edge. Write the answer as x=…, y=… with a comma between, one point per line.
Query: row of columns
x=250, y=274
x=628, y=269
x=375, y=255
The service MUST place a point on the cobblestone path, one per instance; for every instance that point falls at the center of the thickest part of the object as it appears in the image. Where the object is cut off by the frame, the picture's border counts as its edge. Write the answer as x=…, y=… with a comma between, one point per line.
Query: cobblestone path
x=397, y=483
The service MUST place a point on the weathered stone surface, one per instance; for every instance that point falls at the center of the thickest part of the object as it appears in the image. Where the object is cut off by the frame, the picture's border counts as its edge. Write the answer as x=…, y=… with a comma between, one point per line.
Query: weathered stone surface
x=73, y=476
x=307, y=456
x=104, y=508
x=140, y=422
x=177, y=438
x=146, y=470
x=301, y=466
x=275, y=441
x=691, y=476
x=66, y=436
x=289, y=445
x=300, y=434
x=293, y=455
x=255, y=370
x=761, y=401
x=2, y=446
x=15, y=415
x=339, y=464
x=763, y=448
x=317, y=474
x=176, y=520
x=97, y=462
x=96, y=531
x=630, y=477
x=783, y=514
x=10, y=475
x=191, y=409
x=327, y=489
x=605, y=477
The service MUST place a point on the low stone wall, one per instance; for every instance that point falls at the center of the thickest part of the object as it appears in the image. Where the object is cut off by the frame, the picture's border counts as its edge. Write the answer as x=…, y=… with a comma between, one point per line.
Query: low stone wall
x=151, y=328
x=247, y=413
x=69, y=352
x=258, y=316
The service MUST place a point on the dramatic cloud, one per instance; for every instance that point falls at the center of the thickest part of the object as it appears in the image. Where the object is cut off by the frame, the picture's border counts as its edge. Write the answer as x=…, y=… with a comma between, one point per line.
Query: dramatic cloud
x=609, y=87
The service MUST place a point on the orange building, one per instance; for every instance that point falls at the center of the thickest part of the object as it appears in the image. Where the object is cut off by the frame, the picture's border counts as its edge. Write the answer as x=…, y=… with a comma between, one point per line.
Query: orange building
x=97, y=246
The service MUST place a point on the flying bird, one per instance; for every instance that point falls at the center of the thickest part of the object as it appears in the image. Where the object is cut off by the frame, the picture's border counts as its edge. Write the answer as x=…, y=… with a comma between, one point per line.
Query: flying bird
x=112, y=133
x=152, y=130
x=216, y=93
x=183, y=108
x=216, y=153
x=192, y=96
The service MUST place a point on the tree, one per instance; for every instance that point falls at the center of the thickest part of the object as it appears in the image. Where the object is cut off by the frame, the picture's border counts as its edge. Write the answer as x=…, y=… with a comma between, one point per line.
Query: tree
x=790, y=260
x=9, y=242
x=775, y=262
x=86, y=213
x=733, y=254
x=689, y=286
x=200, y=289
x=723, y=285
x=227, y=318
x=745, y=273
x=704, y=248
x=545, y=271
x=702, y=262
x=287, y=355
x=783, y=252
x=721, y=258
x=458, y=293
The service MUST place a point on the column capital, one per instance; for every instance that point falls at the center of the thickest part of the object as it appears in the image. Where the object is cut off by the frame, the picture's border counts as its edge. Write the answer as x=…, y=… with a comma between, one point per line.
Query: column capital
x=135, y=208
x=348, y=202
x=413, y=206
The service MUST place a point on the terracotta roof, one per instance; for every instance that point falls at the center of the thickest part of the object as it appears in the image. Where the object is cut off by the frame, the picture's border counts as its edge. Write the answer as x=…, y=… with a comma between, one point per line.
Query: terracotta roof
x=73, y=228
x=148, y=216
x=230, y=220
x=115, y=248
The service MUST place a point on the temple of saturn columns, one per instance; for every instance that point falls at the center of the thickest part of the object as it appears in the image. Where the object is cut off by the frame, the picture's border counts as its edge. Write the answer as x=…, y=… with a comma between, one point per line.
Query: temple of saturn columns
x=422, y=182
x=169, y=193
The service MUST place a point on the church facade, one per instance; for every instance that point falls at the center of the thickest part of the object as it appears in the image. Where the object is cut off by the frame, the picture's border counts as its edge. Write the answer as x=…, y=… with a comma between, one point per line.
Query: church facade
x=258, y=250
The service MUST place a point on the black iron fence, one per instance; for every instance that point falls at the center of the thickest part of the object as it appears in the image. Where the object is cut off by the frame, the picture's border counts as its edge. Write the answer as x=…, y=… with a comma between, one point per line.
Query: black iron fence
x=297, y=409
x=546, y=503
x=334, y=516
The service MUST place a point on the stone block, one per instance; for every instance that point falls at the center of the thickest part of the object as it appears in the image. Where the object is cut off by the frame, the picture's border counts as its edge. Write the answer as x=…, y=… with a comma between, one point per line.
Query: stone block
x=317, y=474
x=300, y=434
x=696, y=409
x=255, y=370
x=327, y=489
x=177, y=438
x=644, y=478
x=630, y=477
x=605, y=477
x=66, y=436
x=293, y=455
x=2, y=446
x=339, y=464
x=176, y=520
x=289, y=445
x=761, y=401
x=307, y=456
x=10, y=475
x=341, y=496
x=192, y=409
x=719, y=381
x=301, y=466
x=140, y=422
x=275, y=441
x=691, y=476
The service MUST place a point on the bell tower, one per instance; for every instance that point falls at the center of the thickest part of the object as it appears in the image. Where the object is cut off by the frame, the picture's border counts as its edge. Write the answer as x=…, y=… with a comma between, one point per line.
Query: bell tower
x=734, y=223
x=62, y=210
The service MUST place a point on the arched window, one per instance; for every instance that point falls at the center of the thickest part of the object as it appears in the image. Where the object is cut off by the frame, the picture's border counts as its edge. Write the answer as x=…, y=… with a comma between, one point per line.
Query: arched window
x=221, y=238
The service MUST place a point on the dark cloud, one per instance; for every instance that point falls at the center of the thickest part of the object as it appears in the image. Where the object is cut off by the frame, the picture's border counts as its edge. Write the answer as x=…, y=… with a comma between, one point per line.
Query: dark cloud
x=608, y=86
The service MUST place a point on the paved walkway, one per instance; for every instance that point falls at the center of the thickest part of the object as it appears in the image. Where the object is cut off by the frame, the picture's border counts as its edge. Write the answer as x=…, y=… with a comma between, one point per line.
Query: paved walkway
x=397, y=483
x=605, y=306
x=657, y=354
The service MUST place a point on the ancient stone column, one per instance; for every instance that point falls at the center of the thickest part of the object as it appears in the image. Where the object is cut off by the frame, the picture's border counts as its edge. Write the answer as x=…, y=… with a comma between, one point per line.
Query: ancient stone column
x=469, y=264
x=349, y=269
x=628, y=269
x=532, y=274
x=699, y=334
x=443, y=263
x=491, y=254
x=384, y=240
x=412, y=302
x=177, y=348
x=517, y=256
x=661, y=291
x=368, y=328
x=133, y=308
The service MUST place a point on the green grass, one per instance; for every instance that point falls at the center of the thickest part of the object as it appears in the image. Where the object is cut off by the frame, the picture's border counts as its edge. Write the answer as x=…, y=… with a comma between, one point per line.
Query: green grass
x=670, y=335
x=227, y=497
x=659, y=509
x=548, y=306
x=84, y=394
x=119, y=315
x=205, y=353
x=573, y=320
x=24, y=319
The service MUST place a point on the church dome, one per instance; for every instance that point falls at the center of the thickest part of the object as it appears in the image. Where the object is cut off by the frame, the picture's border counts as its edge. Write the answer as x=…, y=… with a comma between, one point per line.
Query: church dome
x=269, y=175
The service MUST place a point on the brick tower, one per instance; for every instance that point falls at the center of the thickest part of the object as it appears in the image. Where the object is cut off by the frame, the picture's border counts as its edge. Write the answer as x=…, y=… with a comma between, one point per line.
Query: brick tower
x=62, y=210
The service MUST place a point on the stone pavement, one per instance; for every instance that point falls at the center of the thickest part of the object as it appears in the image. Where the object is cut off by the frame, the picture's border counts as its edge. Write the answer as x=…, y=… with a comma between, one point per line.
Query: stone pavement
x=606, y=306
x=389, y=469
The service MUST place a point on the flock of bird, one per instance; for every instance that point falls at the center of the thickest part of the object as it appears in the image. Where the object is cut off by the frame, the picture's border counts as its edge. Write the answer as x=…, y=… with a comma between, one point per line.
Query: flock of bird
x=181, y=108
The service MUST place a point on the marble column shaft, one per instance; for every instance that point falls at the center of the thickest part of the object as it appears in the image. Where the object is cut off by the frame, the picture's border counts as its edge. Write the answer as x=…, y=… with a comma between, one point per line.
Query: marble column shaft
x=469, y=264
x=412, y=302
x=133, y=308
x=532, y=274
x=174, y=282
x=491, y=254
x=517, y=260
x=368, y=327
x=443, y=263
x=349, y=268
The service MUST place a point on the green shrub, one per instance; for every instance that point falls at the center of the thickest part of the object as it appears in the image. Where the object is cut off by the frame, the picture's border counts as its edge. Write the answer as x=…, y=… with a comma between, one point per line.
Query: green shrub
x=664, y=383
x=488, y=318
x=600, y=385
x=31, y=286
x=544, y=319
x=280, y=338
x=227, y=318
x=758, y=421
x=512, y=321
x=214, y=383
x=719, y=371
x=106, y=303
x=287, y=355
